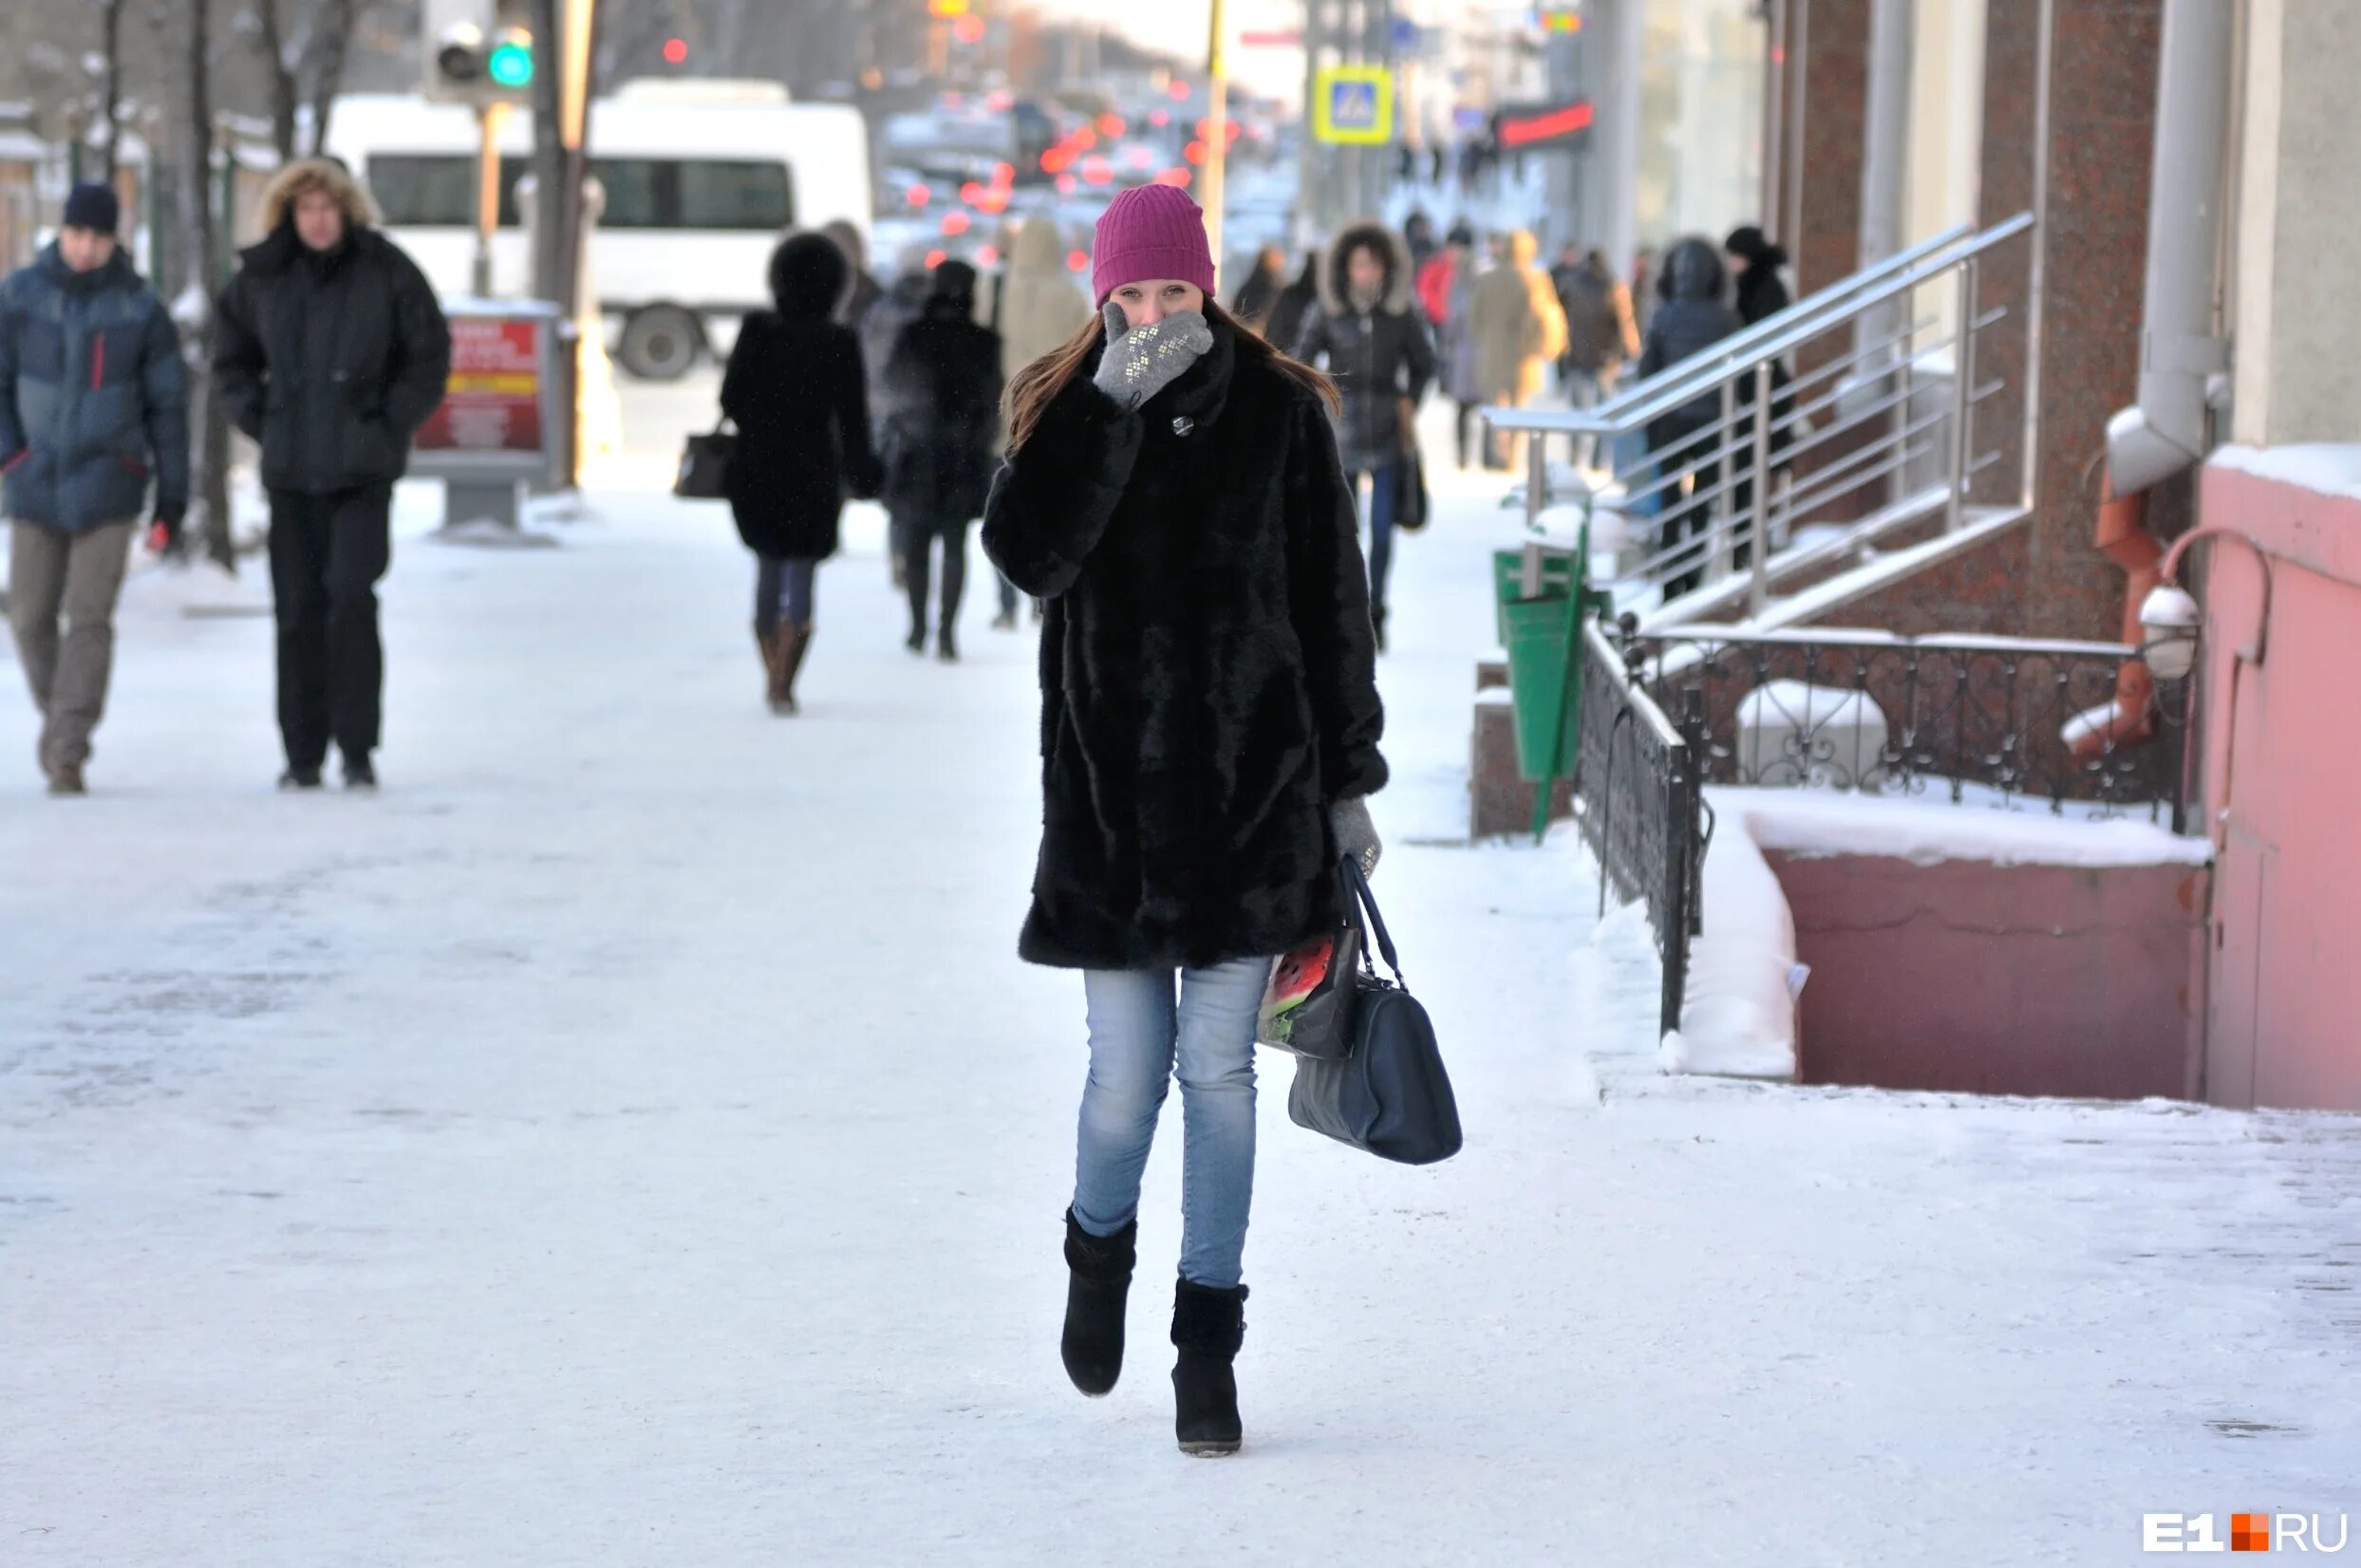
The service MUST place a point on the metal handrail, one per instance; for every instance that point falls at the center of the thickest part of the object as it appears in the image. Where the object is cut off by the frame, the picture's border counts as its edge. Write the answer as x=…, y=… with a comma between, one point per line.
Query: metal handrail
x=1766, y=421
x=1838, y=301
x=1703, y=372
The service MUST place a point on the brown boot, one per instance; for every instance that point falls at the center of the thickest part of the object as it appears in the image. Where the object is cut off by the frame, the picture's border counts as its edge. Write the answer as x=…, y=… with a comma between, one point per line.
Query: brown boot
x=65, y=778
x=798, y=638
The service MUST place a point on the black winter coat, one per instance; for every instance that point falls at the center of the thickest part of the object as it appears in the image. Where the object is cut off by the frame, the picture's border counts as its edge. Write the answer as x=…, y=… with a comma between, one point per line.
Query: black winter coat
x=331, y=360
x=1691, y=319
x=940, y=419
x=1295, y=303
x=1378, y=356
x=1208, y=672
x=1761, y=291
x=795, y=389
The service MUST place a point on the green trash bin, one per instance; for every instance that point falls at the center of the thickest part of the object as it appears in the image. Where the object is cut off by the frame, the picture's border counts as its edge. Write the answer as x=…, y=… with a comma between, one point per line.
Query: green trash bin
x=1538, y=636
x=1557, y=578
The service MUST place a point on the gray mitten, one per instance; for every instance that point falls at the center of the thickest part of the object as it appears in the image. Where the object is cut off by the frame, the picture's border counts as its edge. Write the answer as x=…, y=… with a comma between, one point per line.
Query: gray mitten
x=1142, y=362
x=1357, y=834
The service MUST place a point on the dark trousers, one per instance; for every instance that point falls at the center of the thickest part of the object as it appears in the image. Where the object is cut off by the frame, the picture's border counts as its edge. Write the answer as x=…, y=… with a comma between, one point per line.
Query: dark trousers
x=1381, y=483
x=918, y=568
x=327, y=554
x=1688, y=516
x=783, y=589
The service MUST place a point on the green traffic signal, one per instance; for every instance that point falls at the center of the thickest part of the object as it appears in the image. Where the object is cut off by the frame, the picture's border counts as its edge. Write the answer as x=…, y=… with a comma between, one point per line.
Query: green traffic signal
x=511, y=64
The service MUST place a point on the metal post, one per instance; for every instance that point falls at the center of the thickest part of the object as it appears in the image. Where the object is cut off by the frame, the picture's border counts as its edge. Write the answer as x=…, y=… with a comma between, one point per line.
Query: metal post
x=488, y=120
x=1962, y=397
x=1217, y=131
x=1758, y=580
x=1679, y=871
x=1725, y=455
x=1536, y=475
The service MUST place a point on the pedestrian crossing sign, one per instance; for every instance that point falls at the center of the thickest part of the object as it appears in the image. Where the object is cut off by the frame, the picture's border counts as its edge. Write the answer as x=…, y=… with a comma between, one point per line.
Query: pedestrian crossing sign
x=1353, y=106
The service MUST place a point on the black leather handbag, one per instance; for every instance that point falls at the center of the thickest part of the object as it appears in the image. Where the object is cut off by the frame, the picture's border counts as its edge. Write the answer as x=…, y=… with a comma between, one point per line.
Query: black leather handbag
x=705, y=472
x=1388, y=1094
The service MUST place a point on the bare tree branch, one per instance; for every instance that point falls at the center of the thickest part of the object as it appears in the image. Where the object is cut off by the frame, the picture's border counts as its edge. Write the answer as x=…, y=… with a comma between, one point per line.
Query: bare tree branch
x=332, y=37
x=110, y=105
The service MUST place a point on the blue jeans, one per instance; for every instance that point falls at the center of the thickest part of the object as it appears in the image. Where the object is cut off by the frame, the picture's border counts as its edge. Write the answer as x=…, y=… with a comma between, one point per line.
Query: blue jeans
x=1138, y=1041
x=1382, y=483
x=782, y=591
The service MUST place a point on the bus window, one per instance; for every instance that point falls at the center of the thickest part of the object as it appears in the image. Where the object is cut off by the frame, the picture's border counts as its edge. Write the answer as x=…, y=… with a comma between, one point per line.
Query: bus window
x=435, y=190
x=718, y=195
x=634, y=196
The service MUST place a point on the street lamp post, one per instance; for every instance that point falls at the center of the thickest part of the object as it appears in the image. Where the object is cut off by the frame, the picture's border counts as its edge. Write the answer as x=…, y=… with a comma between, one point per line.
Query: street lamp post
x=1217, y=131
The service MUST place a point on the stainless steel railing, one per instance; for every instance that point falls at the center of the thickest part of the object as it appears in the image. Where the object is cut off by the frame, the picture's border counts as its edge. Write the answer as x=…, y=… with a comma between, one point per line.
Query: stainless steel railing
x=1876, y=423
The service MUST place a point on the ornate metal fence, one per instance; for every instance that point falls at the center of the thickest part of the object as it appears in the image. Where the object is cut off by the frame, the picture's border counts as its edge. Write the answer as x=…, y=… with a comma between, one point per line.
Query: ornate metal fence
x=2069, y=724
x=2066, y=723
x=1642, y=805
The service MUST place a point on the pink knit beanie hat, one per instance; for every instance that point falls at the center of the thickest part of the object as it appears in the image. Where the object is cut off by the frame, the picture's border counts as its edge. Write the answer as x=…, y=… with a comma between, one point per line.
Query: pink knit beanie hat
x=1150, y=232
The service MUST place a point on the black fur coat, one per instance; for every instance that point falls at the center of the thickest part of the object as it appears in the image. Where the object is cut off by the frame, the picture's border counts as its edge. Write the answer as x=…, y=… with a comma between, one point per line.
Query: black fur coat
x=1209, y=674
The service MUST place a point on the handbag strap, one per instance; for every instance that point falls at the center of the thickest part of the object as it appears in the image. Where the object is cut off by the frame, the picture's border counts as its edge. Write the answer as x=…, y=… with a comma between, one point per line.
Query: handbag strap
x=1365, y=906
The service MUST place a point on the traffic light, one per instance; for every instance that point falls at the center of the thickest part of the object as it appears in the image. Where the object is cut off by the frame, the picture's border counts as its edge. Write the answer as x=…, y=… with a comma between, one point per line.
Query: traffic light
x=477, y=51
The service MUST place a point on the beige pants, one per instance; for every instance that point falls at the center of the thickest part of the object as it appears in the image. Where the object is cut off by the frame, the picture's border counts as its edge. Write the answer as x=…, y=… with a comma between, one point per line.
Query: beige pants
x=77, y=576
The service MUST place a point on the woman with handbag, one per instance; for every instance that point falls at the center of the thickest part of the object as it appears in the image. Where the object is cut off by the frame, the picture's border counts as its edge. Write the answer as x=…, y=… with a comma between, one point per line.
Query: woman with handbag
x=1373, y=338
x=794, y=387
x=1210, y=726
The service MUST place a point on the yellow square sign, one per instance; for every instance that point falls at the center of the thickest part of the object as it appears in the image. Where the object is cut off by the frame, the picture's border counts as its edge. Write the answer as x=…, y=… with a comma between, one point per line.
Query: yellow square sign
x=1353, y=106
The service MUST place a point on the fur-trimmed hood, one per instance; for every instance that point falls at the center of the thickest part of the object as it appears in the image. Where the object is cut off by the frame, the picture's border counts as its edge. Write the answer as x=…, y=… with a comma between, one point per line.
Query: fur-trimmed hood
x=315, y=174
x=1388, y=246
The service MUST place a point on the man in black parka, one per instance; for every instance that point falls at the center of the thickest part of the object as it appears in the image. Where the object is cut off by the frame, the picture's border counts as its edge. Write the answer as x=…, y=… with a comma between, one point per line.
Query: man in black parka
x=941, y=421
x=330, y=351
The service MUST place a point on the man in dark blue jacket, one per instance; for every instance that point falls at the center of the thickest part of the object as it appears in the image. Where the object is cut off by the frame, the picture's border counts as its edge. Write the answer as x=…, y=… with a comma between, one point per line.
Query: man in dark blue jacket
x=93, y=403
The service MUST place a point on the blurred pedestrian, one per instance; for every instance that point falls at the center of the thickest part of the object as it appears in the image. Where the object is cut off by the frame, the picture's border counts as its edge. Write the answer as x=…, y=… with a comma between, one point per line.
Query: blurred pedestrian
x=881, y=328
x=1760, y=290
x=941, y=420
x=794, y=388
x=330, y=349
x=1471, y=439
x=1042, y=307
x=1373, y=341
x=1209, y=727
x=1645, y=295
x=1519, y=331
x=1257, y=296
x=93, y=401
x=1687, y=442
x=1600, y=335
x=1297, y=300
x=865, y=291
x=1418, y=233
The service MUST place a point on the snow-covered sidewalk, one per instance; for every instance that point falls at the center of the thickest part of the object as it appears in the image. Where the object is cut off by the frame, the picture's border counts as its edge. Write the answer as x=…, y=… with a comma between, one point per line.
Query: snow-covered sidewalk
x=630, y=1140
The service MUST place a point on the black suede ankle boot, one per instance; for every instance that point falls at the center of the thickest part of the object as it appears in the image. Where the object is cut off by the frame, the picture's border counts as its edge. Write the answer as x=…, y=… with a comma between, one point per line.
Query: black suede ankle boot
x=1100, y=1279
x=1208, y=1327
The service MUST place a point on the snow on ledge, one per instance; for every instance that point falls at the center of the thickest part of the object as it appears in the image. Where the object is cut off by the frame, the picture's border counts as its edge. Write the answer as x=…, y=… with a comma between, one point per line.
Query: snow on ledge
x=2329, y=468
x=1926, y=832
x=1738, y=1018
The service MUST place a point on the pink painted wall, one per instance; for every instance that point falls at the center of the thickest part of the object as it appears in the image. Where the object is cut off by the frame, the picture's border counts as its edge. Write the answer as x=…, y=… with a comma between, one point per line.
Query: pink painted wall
x=1998, y=980
x=2283, y=787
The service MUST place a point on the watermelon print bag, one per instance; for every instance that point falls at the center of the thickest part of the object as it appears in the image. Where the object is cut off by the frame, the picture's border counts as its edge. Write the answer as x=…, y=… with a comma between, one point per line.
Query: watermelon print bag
x=1307, y=1009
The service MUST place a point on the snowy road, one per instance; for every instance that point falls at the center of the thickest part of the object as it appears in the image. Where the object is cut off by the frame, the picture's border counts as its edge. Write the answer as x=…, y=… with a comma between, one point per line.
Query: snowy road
x=630, y=1140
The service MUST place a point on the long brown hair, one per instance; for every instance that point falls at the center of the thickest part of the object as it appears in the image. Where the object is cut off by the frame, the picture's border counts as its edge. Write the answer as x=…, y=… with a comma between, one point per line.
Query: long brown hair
x=1038, y=385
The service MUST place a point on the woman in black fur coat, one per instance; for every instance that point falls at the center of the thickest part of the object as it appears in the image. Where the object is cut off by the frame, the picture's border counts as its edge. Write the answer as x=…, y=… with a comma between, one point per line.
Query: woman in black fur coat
x=794, y=387
x=1210, y=726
